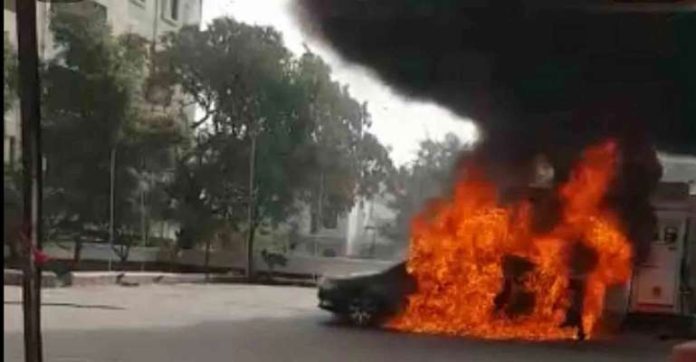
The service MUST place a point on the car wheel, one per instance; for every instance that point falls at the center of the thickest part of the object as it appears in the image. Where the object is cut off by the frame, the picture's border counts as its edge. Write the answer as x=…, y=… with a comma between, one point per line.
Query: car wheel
x=362, y=311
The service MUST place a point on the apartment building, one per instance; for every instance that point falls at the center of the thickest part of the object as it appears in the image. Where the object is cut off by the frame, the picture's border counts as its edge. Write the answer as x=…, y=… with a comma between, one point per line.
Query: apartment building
x=148, y=18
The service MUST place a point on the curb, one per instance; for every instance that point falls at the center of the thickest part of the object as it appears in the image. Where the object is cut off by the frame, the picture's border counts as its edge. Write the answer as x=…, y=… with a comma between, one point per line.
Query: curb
x=131, y=279
x=14, y=277
x=86, y=279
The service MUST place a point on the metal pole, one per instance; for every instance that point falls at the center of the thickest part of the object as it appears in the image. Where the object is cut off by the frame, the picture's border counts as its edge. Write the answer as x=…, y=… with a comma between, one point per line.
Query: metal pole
x=112, y=194
x=31, y=161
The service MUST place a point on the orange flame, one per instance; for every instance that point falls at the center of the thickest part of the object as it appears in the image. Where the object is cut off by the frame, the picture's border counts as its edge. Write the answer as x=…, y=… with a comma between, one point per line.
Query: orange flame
x=458, y=245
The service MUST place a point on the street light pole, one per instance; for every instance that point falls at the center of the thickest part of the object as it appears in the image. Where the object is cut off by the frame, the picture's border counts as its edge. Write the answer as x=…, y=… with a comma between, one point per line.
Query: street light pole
x=31, y=174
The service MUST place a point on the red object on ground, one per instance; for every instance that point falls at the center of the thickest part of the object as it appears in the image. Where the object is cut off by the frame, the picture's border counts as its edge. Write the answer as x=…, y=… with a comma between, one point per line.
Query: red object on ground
x=685, y=352
x=40, y=257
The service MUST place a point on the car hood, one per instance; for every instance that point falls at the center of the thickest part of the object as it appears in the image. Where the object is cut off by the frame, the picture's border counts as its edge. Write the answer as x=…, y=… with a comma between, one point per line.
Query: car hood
x=398, y=269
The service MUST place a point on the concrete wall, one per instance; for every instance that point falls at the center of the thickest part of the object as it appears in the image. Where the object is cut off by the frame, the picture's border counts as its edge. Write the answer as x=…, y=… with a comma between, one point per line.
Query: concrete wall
x=302, y=265
x=296, y=264
x=679, y=168
x=101, y=252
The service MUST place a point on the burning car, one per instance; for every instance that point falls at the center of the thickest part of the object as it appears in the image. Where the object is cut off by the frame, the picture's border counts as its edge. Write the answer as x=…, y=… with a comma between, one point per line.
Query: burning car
x=478, y=266
x=369, y=299
x=580, y=85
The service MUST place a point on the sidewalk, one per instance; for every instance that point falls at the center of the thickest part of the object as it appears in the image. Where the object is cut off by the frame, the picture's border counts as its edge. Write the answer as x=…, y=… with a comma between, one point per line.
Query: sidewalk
x=134, y=278
x=93, y=278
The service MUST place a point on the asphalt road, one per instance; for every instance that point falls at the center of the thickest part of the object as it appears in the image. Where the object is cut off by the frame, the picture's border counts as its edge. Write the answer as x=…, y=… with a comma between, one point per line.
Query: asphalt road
x=258, y=323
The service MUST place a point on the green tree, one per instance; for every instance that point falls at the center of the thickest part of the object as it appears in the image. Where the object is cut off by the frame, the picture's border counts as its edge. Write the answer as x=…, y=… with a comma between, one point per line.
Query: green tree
x=242, y=78
x=274, y=130
x=350, y=162
x=93, y=110
x=428, y=176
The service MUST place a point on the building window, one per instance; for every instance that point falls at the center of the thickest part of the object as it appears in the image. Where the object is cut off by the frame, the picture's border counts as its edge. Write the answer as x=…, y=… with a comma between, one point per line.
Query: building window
x=174, y=11
x=140, y=3
x=330, y=217
x=171, y=11
x=313, y=223
x=10, y=151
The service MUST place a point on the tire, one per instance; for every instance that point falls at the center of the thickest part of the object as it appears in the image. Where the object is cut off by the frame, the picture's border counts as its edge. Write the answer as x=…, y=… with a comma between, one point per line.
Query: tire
x=362, y=311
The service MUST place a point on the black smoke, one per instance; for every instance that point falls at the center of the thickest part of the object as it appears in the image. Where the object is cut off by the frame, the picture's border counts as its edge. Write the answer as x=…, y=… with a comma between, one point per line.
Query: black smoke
x=537, y=78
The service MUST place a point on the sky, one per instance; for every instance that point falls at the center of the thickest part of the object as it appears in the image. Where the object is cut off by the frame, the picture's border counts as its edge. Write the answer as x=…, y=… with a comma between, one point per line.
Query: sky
x=398, y=122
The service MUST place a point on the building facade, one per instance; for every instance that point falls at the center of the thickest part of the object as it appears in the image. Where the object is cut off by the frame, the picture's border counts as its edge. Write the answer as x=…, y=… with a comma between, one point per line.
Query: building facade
x=310, y=236
x=148, y=18
x=365, y=236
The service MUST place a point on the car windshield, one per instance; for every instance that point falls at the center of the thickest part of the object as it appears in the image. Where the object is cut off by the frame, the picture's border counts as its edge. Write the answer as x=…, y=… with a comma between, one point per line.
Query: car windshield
x=180, y=175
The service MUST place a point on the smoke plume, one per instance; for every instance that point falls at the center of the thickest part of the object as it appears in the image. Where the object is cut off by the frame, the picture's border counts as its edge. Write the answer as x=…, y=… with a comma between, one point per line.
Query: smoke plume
x=537, y=78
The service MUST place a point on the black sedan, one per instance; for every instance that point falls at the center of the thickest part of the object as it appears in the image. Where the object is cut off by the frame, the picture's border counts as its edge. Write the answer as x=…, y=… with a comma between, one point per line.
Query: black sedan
x=370, y=298
x=367, y=299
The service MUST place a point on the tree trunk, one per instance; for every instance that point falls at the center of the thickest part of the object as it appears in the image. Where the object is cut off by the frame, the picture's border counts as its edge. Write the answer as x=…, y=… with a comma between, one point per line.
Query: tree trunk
x=12, y=241
x=317, y=206
x=251, y=215
x=77, y=252
x=172, y=260
x=206, y=263
x=112, y=201
x=14, y=253
x=124, y=253
x=143, y=225
x=251, y=272
x=320, y=202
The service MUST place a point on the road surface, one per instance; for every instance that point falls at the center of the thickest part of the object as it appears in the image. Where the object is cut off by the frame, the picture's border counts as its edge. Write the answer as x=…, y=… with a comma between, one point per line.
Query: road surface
x=257, y=323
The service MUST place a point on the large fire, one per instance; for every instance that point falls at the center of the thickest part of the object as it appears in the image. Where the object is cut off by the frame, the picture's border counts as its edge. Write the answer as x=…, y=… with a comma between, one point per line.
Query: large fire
x=458, y=247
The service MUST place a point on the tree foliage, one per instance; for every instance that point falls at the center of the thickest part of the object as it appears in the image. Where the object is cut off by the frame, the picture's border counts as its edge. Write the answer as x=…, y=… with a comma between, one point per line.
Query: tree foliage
x=428, y=176
x=350, y=162
x=93, y=106
x=241, y=76
x=311, y=137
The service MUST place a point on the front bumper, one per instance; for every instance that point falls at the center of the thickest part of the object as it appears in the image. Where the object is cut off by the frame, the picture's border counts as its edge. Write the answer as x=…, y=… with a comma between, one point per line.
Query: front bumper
x=328, y=299
x=327, y=305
